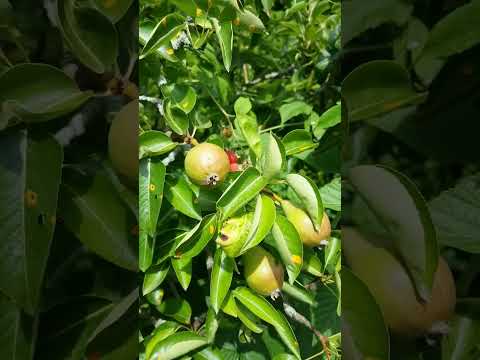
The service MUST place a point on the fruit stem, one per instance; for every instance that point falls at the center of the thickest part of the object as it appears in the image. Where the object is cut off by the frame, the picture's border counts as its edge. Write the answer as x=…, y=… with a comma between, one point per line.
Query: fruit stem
x=189, y=139
x=274, y=196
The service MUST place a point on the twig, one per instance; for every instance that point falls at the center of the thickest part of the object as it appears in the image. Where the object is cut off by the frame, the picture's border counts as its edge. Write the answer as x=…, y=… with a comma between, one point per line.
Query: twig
x=281, y=126
x=293, y=314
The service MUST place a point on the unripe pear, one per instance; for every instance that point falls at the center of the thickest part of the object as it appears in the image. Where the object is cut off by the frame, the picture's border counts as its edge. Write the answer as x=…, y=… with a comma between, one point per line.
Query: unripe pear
x=394, y=291
x=263, y=272
x=207, y=164
x=123, y=142
x=234, y=233
x=310, y=236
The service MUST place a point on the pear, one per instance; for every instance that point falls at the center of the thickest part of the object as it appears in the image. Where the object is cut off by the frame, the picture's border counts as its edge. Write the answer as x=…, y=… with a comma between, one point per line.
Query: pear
x=310, y=236
x=263, y=272
x=207, y=164
x=234, y=233
x=392, y=287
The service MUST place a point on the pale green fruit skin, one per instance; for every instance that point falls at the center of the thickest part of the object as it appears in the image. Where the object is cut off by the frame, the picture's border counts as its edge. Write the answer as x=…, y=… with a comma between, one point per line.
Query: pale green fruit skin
x=123, y=142
x=392, y=288
x=205, y=162
x=234, y=233
x=264, y=274
x=304, y=226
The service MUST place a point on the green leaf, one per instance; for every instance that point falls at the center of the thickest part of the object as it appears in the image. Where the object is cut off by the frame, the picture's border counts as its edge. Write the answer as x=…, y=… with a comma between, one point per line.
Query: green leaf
x=364, y=332
x=117, y=311
x=154, y=143
x=461, y=343
x=408, y=222
x=229, y=305
x=208, y=353
x=197, y=242
x=298, y=292
x=211, y=325
x=161, y=34
x=311, y=263
x=455, y=214
x=272, y=159
x=224, y=31
x=331, y=194
x=38, y=92
x=179, y=194
x=263, y=220
x=155, y=297
x=364, y=16
x=160, y=333
x=176, y=119
x=98, y=51
x=288, y=245
x=453, y=34
x=95, y=214
x=309, y=195
x=249, y=129
x=332, y=254
x=152, y=179
x=154, y=277
x=178, y=309
x=297, y=141
x=265, y=311
x=250, y=21
x=222, y=274
x=113, y=9
x=247, y=186
x=378, y=87
x=30, y=174
x=187, y=6
x=183, y=270
x=293, y=109
x=248, y=319
x=328, y=119
x=242, y=106
x=184, y=98
x=267, y=6
x=177, y=345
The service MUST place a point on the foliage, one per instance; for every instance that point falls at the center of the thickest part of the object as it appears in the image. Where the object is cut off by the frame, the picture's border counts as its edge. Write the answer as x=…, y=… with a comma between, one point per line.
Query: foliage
x=257, y=78
x=66, y=217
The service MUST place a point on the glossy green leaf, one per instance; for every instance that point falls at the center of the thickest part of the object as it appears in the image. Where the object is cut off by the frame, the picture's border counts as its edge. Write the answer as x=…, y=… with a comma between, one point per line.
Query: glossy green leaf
x=331, y=194
x=293, y=109
x=154, y=277
x=229, y=305
x=160, y=333
x=183, y=270
x=177, y=345
x=400, y=207
x=97, y=51
x=332, y=253
x=208, y=353
x=224, y=31
x=155, y=297
x=94, y=213
x=179, y=194
x=184, y=98
x=195, y=245
x=289, y=246
x=272, y=159
x=246, y=187
x=113, y=9
x=378, y=87
x=154, y=143
x=161, y=34
x=311, y=262
x=364, y=332
x=222, y=274
x=265, y=311
x=298, y=141
x=30, y=175
x=248, y=319
x=330, y=118
x=176, y=119
x=453, y=34
x=211, y=325
x=298, y=292
x=37, y=92
x=309, y=195
x=247, y=123
x=263, y=220
x=178, y=309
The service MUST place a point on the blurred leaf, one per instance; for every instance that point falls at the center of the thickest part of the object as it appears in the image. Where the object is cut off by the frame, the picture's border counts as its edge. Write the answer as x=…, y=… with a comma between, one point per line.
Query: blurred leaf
x=154, y=143
x=114, y=9
x=250, y=21
x=179, y=194
x=242, y=106
x=456, y=217
x=177, y=345
x=291, y=110
x=184, y=98
x=30, y=175
x=289, y=246
x=240, y=192
x=222, y=274
x=400, y=207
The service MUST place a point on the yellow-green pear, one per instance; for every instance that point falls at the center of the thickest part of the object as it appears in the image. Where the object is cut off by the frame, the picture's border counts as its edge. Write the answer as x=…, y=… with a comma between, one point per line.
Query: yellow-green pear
x=263, y=272
x=207, y=164
x=310, y=236
x=393, y=289
x=234, y=233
